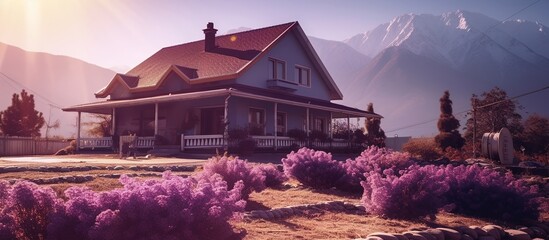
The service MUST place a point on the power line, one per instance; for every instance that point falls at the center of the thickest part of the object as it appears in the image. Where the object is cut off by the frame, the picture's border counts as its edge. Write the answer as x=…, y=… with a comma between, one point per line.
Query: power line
x=464, y=111
x=50, y=102
x=512, y=15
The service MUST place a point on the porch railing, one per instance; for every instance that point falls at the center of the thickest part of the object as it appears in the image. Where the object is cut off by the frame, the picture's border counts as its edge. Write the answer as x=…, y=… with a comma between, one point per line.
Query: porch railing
x=201, y=141
x=217, y=141
x=107, y=142
x=92, y=143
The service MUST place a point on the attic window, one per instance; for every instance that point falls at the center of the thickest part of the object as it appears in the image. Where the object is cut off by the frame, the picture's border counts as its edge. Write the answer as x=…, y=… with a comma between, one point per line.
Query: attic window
x=277, y=69
x=303, y=75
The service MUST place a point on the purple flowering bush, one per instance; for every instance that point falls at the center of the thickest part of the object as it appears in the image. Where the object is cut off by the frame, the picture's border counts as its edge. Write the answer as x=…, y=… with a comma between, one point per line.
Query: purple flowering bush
x=484, y=192
x=273, y=177
x=418, y=192
x=232, y=170
x=373, y=159
x=169, y=208
x=26, y=210
x=312, y=168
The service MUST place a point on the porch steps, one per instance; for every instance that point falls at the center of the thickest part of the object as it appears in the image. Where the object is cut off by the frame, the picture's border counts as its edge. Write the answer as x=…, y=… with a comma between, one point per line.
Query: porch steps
x=165, y=151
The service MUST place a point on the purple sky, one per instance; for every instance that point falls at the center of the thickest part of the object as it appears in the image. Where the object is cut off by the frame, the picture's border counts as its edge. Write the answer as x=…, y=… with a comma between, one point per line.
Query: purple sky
x=121, y=33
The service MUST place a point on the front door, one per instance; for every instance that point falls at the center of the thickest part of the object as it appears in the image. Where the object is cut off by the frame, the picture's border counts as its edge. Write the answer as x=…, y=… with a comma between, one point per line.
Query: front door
x=211, y=121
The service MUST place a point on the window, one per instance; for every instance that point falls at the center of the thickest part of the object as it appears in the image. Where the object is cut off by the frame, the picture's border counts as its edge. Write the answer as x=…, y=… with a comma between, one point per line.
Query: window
x=256, y=121
x=320, y=124
x=303, y=76
x=277, y=69
x=280, y=124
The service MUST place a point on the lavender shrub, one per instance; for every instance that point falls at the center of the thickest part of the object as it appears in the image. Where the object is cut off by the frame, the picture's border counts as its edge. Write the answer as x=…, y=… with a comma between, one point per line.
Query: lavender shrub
x=232, y=170
x=373, y=159
x=273, y=177
x=416, y=193
x=26, y=210
x=312, y=168
x=483, y=192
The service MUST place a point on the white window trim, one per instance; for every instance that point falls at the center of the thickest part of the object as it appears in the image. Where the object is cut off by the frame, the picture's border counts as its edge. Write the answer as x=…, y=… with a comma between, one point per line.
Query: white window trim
x=310, y=77
x=273, y=62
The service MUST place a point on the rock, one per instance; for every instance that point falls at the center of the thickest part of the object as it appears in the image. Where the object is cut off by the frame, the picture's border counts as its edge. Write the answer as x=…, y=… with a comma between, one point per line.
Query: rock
x=371, y=238
x=487, y=237
x=517, y=235
x=493, y=231
x=276, y=213
x=466, y=237
x=437, y=233
x=467, y=230
x=384, y=236
x=480, y=232
x=414, y=236
x=269, y=214
x=450, y=234
x=527, y=230
x=538, y=232
x=400, y=236
x=118, y=168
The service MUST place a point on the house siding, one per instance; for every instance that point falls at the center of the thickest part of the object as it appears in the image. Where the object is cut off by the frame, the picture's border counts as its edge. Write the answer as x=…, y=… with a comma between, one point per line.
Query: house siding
x=290, y=50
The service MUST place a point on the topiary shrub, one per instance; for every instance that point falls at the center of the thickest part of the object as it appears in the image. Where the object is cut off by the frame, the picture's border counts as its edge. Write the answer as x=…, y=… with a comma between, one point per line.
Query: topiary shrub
x=483, y=192
x=314, y=169
x=232, y=170
x=416, y=193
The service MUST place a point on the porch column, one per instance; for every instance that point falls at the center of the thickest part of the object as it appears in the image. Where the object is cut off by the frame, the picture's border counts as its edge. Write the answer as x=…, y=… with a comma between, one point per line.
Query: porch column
x=226, y=125
x=349, y=130
x=113, y=121
x=331, y=127
x=156, y=119
x=78, y=131
x=307, y=128
x=275, y=125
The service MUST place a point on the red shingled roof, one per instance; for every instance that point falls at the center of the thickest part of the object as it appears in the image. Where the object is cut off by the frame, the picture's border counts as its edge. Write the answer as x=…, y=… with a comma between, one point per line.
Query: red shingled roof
x=234, y=52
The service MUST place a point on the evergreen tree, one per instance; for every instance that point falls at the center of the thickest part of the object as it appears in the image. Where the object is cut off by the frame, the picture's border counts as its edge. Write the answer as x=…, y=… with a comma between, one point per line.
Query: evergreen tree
x=376, y=135
x=447, y=125
x=21, y=119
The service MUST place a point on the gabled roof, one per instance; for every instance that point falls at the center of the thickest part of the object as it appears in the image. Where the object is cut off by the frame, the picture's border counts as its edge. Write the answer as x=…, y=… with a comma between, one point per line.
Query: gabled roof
x=233, y=55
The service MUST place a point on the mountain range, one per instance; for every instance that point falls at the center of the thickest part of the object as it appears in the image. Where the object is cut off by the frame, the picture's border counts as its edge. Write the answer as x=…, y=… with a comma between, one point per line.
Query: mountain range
x=415, y=58
x=402, y=67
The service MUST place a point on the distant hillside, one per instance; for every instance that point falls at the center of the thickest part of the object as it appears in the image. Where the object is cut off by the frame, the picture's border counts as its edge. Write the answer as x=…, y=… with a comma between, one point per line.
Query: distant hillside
x=63, y=81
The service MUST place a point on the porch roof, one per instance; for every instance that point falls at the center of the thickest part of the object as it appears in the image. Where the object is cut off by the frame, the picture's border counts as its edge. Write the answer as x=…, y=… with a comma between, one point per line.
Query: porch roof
x=339, y=111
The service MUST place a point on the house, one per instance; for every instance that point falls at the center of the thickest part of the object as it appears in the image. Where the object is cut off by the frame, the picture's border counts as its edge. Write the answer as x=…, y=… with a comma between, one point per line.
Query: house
x=269, y=81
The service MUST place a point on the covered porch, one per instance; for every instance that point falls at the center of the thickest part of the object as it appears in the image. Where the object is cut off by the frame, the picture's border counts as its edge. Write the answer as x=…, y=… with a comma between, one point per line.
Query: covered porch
x=208, y=119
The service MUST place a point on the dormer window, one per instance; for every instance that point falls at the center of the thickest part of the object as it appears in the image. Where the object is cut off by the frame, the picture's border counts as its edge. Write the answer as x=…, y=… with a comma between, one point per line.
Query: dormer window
x=277, y=69
x=303, y=75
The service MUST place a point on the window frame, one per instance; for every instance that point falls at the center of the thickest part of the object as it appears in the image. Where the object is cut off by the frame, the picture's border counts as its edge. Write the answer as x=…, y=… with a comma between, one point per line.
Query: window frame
x=285, y=123
x=273, y=73
x=298, y=70
x=264, y=118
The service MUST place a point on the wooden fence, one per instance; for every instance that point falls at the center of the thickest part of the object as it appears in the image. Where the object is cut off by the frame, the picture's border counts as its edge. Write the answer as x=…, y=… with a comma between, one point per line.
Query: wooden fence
x=19, y=146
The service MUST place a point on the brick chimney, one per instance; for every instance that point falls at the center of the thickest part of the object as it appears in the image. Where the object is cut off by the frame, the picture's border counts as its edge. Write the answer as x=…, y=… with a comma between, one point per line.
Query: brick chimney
x=209, y=40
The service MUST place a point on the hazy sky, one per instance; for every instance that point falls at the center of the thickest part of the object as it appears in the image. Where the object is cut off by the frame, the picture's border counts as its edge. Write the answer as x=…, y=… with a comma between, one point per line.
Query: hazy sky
x=122, y=33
